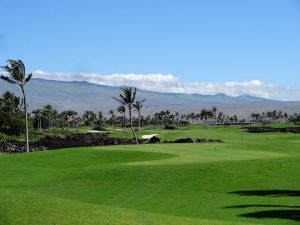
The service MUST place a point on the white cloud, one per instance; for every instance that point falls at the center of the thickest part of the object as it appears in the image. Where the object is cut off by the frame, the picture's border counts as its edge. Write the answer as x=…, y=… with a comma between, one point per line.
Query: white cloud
x=172, y=84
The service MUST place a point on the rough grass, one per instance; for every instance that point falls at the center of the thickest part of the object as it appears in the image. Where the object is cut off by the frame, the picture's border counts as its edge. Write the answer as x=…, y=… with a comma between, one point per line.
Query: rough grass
x=248, y=179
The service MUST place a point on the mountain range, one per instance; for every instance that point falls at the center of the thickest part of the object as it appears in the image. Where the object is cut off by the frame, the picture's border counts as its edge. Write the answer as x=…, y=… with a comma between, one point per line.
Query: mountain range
x=81, y=96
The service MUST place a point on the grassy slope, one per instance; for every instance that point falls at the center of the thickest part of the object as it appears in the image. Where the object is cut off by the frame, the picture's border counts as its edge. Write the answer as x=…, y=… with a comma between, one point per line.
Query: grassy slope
x=156, y=184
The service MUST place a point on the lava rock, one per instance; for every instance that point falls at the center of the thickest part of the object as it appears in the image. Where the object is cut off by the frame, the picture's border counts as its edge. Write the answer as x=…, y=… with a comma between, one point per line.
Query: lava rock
x=154, y=140
x=295, y=130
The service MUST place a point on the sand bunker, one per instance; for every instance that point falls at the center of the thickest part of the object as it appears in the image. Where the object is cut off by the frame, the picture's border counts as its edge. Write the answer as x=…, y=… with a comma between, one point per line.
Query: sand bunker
x=148, y=136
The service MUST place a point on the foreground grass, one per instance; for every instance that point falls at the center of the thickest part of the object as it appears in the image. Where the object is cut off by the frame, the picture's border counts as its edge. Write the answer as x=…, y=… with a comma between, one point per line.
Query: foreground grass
x=248, y=179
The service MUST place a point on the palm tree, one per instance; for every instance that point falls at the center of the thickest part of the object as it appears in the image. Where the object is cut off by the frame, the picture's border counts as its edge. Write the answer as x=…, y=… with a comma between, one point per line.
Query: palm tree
x=48, y=113
x=121, y=109
x=127, y=98
x=89, y=118
x=138, y=107
x=16, y=70
x=100, y=119
x=112, y=119
x=177, y=117
x=38, y=114
x=214, y=113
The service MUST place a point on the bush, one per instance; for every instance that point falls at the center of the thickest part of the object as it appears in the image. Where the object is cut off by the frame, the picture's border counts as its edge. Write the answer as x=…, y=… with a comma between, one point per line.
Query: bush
x=170, y=127
x=184, y=123
x=13, y=126
x=4, y=137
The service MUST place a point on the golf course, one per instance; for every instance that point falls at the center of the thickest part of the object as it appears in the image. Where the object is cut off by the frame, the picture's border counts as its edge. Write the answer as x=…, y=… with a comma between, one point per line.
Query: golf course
x=250, y=178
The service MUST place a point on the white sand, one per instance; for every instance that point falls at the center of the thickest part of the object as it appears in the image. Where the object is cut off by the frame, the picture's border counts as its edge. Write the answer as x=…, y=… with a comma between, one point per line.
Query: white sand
x=96, y=131
x=148, y=136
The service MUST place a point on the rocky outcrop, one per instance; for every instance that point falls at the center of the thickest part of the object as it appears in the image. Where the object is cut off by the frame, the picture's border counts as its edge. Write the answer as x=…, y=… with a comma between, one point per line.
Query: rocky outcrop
x=295, y=130
x=195, y=140
x=154, y=140
x=57, y=142
x=84, y=140
x=14, y=146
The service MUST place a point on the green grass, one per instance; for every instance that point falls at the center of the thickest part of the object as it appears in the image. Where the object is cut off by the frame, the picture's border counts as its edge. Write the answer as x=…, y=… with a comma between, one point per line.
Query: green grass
x=158, y=184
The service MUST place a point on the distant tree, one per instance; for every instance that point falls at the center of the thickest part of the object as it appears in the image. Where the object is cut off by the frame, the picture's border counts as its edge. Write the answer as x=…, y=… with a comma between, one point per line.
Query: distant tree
x=112, y=119
x=48, y=114
x=100, y=119
x=11, y=115
x=10, y=104
x=127, y=98
x=220, y=117
x=214, y=114
x=235, y=119
x=16, y=71
x=89, y=118
x=65, y=118
x=121, y=109
x=71, y=117
x=203, y=116
x=138, y=107
x=38, y=115
x=256, y=117
x=176, y=116
x=210, y=115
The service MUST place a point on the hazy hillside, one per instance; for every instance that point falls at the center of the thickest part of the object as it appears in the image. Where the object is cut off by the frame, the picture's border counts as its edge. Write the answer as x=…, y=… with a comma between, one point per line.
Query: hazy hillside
x=81, y=96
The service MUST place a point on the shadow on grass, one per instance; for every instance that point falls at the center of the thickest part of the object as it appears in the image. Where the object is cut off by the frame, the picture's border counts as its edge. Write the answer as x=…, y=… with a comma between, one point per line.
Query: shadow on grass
x=290, y=213
x=261, y=205
x=274, y=214
x=271, y=193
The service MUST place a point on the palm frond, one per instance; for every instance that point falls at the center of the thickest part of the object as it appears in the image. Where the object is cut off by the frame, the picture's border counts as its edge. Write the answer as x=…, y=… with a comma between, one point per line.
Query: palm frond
x=28, y=78
x=6, y=68
x=119, y=100
x=8, y=80
x=133, y=94
x=17, y=70
x=22, y=66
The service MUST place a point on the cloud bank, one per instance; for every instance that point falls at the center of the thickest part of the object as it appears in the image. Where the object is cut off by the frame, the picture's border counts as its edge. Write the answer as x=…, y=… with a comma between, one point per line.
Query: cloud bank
x=172, y=84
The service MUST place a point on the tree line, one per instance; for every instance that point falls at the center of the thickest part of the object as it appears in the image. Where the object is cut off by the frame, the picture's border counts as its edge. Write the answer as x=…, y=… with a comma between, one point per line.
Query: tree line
x=49, y=119
x=14, y=117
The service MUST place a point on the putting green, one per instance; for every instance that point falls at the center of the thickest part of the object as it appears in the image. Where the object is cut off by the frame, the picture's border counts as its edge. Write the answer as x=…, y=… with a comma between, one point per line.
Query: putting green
x=194, y=153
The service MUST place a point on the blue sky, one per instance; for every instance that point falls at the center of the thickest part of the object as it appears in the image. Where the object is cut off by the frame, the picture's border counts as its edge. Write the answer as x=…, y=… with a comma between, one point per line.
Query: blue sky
x=194, y=40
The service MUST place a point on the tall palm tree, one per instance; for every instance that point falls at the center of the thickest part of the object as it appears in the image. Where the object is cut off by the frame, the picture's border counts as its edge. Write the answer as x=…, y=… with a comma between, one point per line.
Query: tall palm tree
x=127, y=98
x=138, y=107
x=16, y=71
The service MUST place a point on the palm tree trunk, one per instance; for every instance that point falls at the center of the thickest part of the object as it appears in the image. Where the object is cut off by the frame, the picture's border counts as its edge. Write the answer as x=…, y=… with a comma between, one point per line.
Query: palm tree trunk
x=114, y=125
x=26, y=120
x=139, y=121
x=132, y=129
x=124, y=122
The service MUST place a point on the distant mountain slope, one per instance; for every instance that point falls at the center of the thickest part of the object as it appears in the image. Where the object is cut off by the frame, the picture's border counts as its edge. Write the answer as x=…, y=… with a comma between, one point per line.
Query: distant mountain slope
x=81, y=96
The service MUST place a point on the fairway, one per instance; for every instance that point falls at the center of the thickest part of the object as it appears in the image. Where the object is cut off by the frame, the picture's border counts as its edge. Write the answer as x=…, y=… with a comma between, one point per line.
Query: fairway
x=248, y=179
